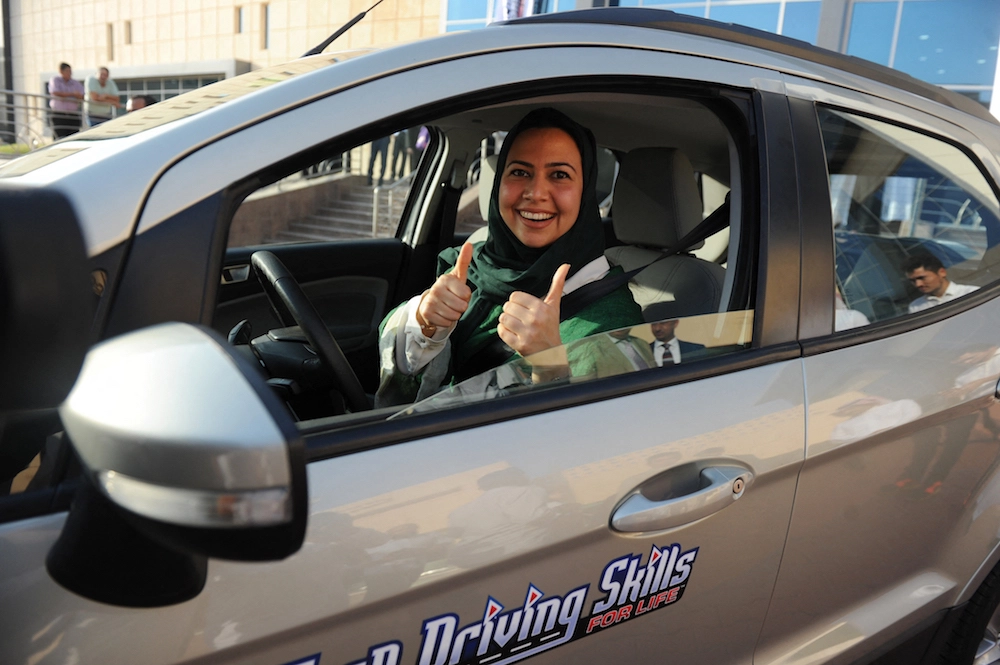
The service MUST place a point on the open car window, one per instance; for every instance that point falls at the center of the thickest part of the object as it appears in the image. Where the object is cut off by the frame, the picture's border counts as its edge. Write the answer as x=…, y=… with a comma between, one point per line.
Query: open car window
x=351, y=194
x=656, y=346
x=673, y=187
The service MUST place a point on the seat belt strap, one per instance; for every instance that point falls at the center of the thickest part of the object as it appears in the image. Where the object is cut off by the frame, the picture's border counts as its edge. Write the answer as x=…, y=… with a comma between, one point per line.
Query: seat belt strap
x=574, y=302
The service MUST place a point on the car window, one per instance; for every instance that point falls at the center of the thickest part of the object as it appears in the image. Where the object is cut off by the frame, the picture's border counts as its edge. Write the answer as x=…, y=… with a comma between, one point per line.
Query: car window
x=670, y=177
x=915, y=222
x=650, y=346
x=357, y=193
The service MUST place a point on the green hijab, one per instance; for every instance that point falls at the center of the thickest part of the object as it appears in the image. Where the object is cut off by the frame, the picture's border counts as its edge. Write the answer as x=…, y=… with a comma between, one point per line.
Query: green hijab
x=503, y=264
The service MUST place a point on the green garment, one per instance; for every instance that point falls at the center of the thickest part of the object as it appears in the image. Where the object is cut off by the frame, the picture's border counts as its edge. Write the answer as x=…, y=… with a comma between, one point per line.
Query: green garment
x=503, y=264
x=613, y=311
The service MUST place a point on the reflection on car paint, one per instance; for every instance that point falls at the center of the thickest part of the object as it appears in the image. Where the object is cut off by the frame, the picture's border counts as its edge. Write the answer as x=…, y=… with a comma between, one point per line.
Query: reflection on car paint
x=541, y=623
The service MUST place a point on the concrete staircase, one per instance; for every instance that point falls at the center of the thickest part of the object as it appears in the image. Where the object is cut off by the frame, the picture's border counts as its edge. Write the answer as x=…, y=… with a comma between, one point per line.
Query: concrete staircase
x=349, y=216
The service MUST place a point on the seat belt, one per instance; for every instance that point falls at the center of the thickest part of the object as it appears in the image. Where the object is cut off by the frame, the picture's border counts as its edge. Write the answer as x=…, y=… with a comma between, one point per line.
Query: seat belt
x=449, y=208
x=574, y=302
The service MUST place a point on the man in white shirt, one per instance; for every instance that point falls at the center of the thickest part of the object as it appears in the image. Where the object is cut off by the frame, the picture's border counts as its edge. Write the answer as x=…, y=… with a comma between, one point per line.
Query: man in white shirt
x=928, y=275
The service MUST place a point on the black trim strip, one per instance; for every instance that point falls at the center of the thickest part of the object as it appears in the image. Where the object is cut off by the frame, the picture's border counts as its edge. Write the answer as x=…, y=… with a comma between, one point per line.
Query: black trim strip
x=900, y=325
x=322, y=443
x=815, y=222
x=779, y=257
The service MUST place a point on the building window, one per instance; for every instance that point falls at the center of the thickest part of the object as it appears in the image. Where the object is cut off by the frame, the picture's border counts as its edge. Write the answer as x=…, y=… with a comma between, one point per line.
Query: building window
x=128, y=32
x=940, y=45
x=111, y=41
x=238, y=20
x=265, y=21
x=163, y=88
x=801, y=21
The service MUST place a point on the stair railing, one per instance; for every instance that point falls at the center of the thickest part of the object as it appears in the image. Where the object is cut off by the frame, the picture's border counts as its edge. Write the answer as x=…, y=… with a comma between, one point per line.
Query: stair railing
x=390, y=191
x=25, y=122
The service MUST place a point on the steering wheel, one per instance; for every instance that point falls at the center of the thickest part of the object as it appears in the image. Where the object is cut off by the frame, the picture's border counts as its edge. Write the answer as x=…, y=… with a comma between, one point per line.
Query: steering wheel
x=291, y=306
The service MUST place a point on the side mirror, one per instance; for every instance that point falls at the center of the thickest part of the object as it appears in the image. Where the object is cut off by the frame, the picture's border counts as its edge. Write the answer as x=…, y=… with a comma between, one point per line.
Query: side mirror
x=188, y=454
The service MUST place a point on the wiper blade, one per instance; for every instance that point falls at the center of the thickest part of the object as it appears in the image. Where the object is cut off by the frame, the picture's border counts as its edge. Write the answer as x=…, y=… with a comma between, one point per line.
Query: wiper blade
x=319, y=48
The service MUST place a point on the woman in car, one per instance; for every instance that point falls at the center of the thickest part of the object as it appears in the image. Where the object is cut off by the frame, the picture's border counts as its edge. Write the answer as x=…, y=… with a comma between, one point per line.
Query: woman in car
x=511, y=294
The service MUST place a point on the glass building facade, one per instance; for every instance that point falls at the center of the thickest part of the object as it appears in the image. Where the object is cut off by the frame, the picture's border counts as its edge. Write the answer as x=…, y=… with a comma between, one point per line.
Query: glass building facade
x=951, y=43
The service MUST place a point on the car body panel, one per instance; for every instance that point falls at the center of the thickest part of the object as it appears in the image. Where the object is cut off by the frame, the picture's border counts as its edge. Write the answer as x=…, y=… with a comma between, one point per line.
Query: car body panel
x=902, y=466
x=410, y=532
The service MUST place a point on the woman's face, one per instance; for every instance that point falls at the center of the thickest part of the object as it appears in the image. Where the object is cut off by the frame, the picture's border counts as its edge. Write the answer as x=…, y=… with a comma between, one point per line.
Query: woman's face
x=541, y=186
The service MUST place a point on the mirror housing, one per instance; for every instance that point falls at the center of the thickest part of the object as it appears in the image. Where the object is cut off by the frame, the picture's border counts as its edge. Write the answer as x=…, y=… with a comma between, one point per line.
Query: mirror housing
x=191, y=451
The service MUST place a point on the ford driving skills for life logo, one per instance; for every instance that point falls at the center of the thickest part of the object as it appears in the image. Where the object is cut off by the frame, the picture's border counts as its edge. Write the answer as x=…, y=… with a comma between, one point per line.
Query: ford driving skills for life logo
x=629, y=588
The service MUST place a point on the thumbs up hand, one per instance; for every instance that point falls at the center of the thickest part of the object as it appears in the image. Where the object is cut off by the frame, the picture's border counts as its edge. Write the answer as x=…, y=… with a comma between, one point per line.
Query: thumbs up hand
x=529, y=324
x=444, y=303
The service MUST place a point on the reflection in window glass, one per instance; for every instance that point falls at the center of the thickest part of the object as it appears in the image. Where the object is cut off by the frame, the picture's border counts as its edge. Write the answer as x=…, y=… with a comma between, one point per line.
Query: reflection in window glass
x=872, y=25
x=941, y=44
x=801, y=21
x=762, y=16
x=657, y=345
x=897, y=194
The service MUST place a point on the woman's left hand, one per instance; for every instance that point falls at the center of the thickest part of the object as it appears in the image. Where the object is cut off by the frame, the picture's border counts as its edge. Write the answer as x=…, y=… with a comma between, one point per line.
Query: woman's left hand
x=529, y=324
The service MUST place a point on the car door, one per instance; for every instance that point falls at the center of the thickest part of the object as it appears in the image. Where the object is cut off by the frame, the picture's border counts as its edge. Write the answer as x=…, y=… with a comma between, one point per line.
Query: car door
x=894, y=518
x=484, y=533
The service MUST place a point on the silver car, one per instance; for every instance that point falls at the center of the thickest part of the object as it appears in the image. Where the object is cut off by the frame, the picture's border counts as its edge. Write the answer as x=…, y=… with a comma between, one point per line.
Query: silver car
x=191, y=470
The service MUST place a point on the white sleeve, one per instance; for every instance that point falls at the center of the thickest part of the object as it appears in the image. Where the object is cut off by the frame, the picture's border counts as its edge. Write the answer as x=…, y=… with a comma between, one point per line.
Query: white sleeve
x=414, y=349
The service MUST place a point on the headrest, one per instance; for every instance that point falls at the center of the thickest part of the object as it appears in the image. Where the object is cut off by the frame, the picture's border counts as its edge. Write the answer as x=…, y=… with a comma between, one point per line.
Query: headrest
x=487, y=172
x=656, y=198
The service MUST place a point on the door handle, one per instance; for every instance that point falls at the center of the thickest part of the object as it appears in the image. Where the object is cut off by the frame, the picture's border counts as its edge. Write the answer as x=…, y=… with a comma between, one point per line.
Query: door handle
x=234, y=274
x=718, y=487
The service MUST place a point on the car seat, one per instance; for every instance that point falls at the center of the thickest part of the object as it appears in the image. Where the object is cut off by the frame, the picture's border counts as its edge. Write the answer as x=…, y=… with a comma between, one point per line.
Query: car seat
x=656, y=204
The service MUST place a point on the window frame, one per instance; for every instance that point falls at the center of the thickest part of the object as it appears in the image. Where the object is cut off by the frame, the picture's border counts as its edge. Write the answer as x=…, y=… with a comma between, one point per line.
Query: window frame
x=818, y=228
x=775, y=326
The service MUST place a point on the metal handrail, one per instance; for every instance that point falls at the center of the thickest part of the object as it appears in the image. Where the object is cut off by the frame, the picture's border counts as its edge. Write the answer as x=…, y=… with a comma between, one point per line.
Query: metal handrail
x=25, y=121
x=406, y=180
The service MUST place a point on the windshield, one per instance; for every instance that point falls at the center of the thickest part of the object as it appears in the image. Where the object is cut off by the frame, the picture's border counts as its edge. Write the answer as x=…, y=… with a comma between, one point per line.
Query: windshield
x=596, y=357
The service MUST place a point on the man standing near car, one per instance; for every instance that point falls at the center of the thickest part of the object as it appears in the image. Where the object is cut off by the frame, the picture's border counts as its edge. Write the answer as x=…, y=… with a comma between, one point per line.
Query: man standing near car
x=102, y=94
x=66, y=95
x=928, y=275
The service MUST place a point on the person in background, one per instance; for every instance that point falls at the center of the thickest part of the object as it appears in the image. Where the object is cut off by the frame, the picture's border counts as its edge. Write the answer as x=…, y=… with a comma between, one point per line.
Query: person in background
x=402, y=152
x=379, y=146
x=138, y=102
x=66, y=94
x=101, y=97
x=928, y=275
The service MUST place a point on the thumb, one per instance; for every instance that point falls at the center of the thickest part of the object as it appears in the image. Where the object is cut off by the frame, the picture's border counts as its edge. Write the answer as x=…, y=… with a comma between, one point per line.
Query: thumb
x=461, y=269
x=556, y=290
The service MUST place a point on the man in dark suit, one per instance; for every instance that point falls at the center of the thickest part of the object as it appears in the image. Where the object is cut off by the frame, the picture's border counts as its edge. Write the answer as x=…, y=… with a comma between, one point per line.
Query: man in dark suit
x=667, y=349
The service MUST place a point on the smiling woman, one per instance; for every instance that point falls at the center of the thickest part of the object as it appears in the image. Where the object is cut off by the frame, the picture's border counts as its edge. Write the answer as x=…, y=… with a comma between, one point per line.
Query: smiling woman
x=502, y=297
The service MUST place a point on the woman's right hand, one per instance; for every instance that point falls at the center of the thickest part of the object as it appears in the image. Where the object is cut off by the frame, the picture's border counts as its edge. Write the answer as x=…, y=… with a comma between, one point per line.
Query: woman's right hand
x=444, y=303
